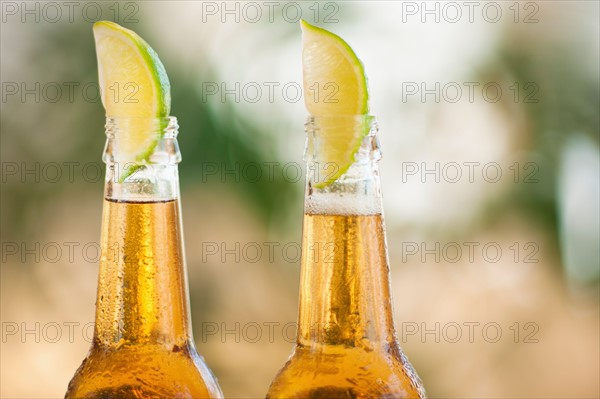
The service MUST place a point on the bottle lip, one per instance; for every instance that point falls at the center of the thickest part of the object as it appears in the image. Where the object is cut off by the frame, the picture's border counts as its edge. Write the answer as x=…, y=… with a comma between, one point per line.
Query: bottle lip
x=362, y=125
x=165, y=127
x=312, y=119
x=364, y=130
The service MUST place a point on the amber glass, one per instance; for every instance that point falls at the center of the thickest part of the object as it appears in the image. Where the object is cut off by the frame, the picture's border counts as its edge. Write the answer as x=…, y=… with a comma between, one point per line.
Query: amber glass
x=143, y=345
x=346, y=345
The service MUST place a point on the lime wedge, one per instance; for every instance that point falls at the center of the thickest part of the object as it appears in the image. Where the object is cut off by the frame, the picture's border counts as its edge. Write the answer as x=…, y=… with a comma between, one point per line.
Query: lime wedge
x=334, y=77
x=335, y=92
x=133, y=84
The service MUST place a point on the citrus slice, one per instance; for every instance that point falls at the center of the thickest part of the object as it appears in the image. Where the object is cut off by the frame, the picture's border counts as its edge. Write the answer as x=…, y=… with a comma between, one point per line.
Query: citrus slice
x=133, y=85
x=335, y=92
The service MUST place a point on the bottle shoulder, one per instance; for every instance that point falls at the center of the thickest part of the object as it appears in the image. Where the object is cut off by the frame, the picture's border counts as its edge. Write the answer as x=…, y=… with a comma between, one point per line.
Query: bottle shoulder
x=343, y=372
x=143, y=371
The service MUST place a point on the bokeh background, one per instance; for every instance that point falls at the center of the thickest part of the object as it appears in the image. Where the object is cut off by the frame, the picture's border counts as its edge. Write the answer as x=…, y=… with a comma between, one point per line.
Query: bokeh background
x=501, y=97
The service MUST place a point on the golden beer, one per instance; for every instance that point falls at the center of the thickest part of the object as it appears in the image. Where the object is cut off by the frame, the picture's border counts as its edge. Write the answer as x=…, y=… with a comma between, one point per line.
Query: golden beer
x=143, y=345
x=346, y=344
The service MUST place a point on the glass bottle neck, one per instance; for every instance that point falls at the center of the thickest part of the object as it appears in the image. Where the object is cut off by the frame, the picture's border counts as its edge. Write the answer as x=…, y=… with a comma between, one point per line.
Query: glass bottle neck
x=345, y=289
x=357, y=190
x=142, y=287
x=141, y=156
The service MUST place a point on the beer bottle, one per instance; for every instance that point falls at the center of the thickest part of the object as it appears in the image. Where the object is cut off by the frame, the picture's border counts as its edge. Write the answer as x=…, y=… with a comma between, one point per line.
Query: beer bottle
x=346, y=345
x=143, y=345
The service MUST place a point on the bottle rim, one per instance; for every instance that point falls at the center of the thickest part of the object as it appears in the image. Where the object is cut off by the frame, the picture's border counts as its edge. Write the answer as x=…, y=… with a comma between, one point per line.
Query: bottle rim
x=166, y=127
x=366, y=123
x=365, y=128
x=312, y=119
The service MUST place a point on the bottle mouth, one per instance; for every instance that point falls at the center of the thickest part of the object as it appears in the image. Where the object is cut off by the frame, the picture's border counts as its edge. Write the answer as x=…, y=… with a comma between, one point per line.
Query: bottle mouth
x=141, y=141
x=165, y=127
x=313, y=124
x=342, y=154
x=351, y=138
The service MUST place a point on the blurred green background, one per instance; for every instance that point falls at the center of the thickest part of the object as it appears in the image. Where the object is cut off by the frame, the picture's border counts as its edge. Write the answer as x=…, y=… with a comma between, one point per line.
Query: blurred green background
x=489, y=123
